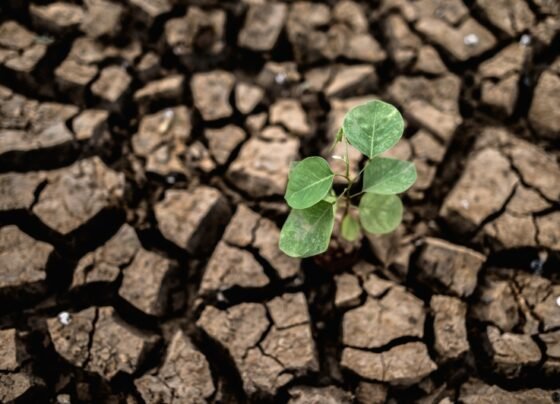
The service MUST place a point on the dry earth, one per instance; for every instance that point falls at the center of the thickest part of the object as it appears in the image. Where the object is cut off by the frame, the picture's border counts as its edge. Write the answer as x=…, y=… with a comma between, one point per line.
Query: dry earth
x=144, y=148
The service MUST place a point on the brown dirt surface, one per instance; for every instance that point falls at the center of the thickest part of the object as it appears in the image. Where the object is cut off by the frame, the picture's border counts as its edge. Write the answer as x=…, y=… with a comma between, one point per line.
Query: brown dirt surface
x=144, y=152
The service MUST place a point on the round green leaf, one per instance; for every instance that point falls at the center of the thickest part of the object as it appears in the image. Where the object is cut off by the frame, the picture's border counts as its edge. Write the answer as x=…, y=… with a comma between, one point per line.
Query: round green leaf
x=350, y=228
x=307, y=232
x=380, y=214
x=373, y=127
x=388, y=176
x=309, y=182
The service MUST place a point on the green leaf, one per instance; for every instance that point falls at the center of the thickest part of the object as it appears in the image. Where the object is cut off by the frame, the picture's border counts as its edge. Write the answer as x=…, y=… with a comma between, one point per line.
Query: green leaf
x=309, y=182
x=388, y=176
x=350, y=228
x=380, y=214
x=307, y=232
x=373, y=127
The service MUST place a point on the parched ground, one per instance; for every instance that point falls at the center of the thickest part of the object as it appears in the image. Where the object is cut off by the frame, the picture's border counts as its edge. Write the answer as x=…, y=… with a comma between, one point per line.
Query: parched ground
x=144, y=149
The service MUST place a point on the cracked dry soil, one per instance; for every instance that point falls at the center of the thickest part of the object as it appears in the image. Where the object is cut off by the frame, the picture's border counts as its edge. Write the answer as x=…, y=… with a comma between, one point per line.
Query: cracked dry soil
x=144, y=150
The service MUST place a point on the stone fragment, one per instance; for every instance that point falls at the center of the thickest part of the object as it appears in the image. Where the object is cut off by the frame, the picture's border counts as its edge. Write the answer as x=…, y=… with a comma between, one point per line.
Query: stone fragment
x=24, y=261
x=288, y=310
x=232, y=267
x=76, y=194
x=497, y=304
x=543, y=115
x=211, y=93
x=17, y=191
x=148, y=10
x=106, y=262
x=261, y=168
x=72, y=338
x=511, y=352
x=199, y=35
x=511, y=16
x=463, y=42
x=58, y=17
x=223, y=141
x=169, y=88
x=184, y=376
x=447, y=267
x=102, y=18
x=112, y=85
x=12, y=351
x=117, y=347
x=450, y=331
x=170, y=129
x=290, y=114
x=404, y=364
x=262, y=27
x=378, y=322
x=247, y=97
x=323, y=395
x=348, y=290
x=192, y=220
x=475, y=392
x=483, y=189
x=147, y=283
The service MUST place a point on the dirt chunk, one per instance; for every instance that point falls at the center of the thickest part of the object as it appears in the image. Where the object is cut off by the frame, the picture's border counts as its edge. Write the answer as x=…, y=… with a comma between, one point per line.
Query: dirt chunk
x=291, y=115
x=371, y=393
x=24, y=260
x=102, y=18
x=148, y=281
x=549, y=310
x=71, y=334
x=261, y=169
x=148, y=10
x=223, y=141
x=448, y=267
x=20, y=52
x=58, y=17
x=380, y=321
x=450, y=331
x=483, y=189
x=196, y=36
x=19, y=386
x=500, y=78
x=12, y=351
x=193, y=220
x=403, y=44
x=267, y=365
x=14, y=36
x=288, y=310
x=263, y=25
x=405, y=364
x=544, y=117
x=74, y=77
x=324, y=395
x=184, y=376
x=348, y=290
x=90, y=124
x=511, y=352
x=229, y=267
x=112, y=85
x=164, y=133
x=168, y=89
x=551, y=342
x=211, y=93
x=17, y=191
x=247, y=97
x=76, y=194
x=352, y=80
x=511, y=16
x=463, y=42
x=497, y=304
x=105, y=263
x=117, y=347
x=475, y=391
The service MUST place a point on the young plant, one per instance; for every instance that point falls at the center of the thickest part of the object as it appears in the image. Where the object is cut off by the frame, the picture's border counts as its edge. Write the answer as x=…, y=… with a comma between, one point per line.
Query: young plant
x=372, y=128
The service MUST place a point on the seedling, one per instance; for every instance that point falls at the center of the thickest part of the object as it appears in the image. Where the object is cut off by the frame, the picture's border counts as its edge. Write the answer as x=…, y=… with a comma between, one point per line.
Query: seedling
x=372, y=128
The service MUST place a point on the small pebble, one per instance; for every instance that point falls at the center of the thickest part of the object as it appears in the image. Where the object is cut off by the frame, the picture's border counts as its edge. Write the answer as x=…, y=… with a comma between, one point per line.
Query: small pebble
x=525, y=39
x=465, y=203
x=471, y=40
x=558, y=301
x=280, y=78
x=64, y=318
x=537, y=266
